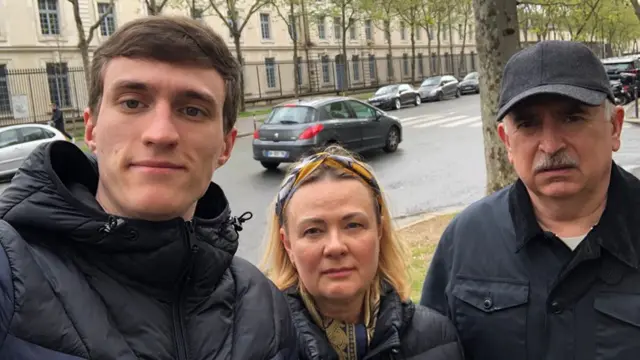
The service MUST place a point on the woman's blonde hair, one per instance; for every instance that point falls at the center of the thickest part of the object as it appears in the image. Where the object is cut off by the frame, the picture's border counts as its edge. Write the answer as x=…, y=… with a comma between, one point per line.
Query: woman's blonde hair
x=392, y=262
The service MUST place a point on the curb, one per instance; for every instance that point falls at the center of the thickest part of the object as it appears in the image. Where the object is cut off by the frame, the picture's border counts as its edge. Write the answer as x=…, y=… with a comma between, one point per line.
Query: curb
x=406, y=221
x=241, y=135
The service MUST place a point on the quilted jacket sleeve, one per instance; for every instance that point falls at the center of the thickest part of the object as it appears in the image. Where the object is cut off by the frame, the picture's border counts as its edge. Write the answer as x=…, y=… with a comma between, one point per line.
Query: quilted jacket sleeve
x=6, y=291
x=431, y=336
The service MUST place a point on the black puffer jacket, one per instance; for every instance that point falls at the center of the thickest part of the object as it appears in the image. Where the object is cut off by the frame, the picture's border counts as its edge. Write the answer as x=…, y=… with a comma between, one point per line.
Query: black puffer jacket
x=76, y=283
x=404, y=330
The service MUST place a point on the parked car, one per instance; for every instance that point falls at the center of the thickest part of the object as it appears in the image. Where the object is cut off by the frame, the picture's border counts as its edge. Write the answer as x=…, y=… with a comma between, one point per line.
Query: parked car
x=439, y=87
x=394, y=96
x=17, y=142
x=617, y=65
x=296, y=128
x=470, y=84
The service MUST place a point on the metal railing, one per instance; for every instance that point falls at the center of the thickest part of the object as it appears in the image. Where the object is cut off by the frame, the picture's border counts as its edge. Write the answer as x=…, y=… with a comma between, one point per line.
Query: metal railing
x=26, y=94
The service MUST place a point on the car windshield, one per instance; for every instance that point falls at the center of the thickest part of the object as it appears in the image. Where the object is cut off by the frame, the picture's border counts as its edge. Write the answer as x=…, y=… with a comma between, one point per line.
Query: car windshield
x=431, y=81
x=387, y=90
x=291, y=115
x=471, y=76
x=618, y=67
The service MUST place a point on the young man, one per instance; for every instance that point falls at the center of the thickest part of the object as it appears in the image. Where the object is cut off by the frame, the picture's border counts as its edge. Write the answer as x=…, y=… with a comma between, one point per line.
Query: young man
x=132, y=257
x=548, y=268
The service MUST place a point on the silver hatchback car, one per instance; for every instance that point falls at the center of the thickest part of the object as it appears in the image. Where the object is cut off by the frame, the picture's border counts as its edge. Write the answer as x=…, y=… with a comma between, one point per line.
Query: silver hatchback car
x=18, y=141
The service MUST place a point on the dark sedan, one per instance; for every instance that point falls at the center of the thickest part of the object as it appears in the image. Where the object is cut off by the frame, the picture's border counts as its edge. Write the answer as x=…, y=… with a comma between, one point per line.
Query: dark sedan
x=298, y=127
x=470, y=84
x=394, y=96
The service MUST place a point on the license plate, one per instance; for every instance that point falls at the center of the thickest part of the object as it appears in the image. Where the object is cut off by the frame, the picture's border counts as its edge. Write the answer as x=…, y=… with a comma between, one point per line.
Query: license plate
x=276, y=154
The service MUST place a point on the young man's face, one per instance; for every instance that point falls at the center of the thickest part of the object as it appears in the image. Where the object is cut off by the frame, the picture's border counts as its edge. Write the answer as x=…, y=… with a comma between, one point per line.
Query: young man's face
x=158, y=137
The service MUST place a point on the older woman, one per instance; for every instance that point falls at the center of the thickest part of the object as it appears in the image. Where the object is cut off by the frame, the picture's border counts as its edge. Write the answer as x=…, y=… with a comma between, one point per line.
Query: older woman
x=333, y=251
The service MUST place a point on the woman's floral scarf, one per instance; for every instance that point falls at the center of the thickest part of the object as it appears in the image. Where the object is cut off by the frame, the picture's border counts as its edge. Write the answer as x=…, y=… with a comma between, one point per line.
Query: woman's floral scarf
x=341, y=335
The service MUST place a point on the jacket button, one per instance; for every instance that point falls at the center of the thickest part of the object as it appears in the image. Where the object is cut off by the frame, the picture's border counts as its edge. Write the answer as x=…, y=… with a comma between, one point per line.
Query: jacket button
x=487, y=303
x=556, y=308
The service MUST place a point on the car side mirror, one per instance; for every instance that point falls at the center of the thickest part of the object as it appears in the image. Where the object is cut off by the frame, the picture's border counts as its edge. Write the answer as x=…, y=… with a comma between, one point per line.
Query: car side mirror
x=378, y=116
x=443, y=83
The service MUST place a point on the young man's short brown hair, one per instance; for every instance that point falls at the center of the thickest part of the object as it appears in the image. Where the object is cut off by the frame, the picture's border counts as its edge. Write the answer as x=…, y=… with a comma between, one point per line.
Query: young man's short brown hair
x=175, y=40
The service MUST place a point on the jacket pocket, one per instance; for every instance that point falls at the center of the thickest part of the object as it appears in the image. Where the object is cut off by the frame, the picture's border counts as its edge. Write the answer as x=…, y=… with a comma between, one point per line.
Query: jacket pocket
x=491, y=317
x=617, y=326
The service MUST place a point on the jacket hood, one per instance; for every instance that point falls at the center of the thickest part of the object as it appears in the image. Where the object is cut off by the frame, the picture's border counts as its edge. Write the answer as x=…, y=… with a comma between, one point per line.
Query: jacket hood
x=52, y=200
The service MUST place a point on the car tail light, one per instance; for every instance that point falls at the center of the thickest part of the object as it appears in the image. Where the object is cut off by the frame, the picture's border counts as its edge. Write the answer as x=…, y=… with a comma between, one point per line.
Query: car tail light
x=256, y=134
x=311, y=131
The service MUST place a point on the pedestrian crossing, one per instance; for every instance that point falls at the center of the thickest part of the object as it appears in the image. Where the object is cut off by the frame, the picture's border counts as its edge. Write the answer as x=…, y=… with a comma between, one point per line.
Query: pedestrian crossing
x=448, y=120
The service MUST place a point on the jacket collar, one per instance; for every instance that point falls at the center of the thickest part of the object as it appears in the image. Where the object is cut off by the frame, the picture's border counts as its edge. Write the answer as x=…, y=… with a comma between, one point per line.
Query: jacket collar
x=394, y=316
x=617, y=230
x=54, y=193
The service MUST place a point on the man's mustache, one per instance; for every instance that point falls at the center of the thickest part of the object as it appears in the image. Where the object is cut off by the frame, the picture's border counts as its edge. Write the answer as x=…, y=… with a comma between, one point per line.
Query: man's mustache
x=559, y=160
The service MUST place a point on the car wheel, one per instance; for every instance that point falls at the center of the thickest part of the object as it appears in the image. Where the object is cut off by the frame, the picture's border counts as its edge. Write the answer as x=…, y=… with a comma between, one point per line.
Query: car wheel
x=418, y=100
x=270, y=165
x=393, y=140
x=440, y=96
x=397, y=105
x=458, y=93
x=478, y=90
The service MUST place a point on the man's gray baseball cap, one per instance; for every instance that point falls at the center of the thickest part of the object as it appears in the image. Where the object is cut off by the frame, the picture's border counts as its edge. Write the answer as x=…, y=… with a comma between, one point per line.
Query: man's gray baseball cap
x=564, y=68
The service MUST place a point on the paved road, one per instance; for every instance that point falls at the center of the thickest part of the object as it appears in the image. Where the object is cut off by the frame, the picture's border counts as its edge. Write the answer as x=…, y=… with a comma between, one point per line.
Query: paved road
x=439, y=164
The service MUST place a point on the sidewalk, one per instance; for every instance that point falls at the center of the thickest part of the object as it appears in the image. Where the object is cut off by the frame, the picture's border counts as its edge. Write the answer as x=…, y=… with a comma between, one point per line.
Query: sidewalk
x=245, y=125
x=630, y=113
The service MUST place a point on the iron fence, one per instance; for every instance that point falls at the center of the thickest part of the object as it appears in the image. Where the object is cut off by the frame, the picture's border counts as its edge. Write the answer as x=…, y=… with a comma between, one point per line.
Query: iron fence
x=26, y=94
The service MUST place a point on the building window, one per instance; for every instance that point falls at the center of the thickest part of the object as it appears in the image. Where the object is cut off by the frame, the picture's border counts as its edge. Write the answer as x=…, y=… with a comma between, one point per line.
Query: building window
x=460, y=31
x=403, y=31
x=470, y=33
x=420, y=64
x=325, y=69
x=270, y=68
x=321, y=30
x=265, y=26
x=337, y=29
x=405, y=64
x=293, y=27
x=5, y=98
x=352, y=32
x=372, y=67
x=108, y=25
x=49, y=19
x=389, y=67
x=355, y=64
x=430, y=33
x=418, y=33
x=58, y=76
x=368, y=30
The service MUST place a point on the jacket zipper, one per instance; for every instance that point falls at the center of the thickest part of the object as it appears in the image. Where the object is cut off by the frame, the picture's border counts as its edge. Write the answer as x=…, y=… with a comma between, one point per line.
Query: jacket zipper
x=178, y=316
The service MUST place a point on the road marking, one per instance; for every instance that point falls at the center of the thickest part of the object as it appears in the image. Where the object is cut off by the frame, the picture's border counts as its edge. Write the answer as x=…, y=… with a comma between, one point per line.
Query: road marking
x=478, y=124
x=463, y=121
x=438, y=122
x=421, y=118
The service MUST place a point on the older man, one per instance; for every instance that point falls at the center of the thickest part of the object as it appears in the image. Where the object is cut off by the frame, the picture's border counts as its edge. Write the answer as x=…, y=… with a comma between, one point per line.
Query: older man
x=133, y=258
x=548, y=268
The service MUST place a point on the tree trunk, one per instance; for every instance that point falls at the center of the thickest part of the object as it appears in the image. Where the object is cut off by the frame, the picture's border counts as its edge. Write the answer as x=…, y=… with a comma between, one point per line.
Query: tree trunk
x=636, y=8
x=345, y=67
x=438, y=45
x=236, y=42
x=497, y=39
x=307, y=43
x=413, y=54
x=387, y=32
x=463, y=59
x=451, y=52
